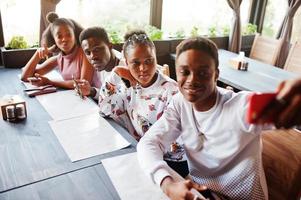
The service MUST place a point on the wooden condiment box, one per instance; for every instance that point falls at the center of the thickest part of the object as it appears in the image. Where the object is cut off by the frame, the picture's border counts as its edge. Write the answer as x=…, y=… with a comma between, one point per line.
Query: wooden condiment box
x=11, y=100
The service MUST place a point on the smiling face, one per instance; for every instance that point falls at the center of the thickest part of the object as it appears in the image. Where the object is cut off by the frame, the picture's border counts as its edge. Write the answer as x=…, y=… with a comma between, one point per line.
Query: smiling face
x=64, y=38
x=98, y=52
x=197, y=76
x=142, y=63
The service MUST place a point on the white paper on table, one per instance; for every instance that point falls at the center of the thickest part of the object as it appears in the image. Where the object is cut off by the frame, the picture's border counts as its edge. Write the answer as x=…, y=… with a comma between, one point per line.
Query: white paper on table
x=129, y=180
x=132, y=183
x=86, y=136
x=66, y=104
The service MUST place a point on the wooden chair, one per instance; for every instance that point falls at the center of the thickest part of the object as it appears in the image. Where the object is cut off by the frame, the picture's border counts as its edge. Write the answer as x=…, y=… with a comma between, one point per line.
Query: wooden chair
x=282, y=163
x=164, y=69
x=293, y=61
x=265, y=49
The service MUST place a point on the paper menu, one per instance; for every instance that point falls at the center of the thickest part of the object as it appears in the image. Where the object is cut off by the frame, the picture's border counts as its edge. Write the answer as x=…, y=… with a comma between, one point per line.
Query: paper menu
x=86, y=136
x=67, y=104
x=129, y=180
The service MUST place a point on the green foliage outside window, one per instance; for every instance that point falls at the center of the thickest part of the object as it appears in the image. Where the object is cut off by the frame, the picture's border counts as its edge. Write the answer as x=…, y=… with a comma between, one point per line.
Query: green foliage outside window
x=212, y=31
x=17, y=42
x=180, y=33
x=225, y=31
x=249, y=29
x=268, y=30
x=116, y=32
x=115, y=36
x=153, y=32
x=194, y=31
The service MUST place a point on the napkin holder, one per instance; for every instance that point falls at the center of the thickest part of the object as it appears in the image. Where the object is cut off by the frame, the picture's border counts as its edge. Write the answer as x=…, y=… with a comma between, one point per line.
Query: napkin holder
x=239, y=62
x=13, y=108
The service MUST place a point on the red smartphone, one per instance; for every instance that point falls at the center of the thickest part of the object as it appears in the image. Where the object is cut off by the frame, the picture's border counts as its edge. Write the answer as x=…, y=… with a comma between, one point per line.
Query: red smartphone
x=258, y=102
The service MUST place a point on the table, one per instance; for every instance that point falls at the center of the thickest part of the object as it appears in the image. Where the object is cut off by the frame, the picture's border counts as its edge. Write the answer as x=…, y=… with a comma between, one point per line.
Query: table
x=88, y=183
x=34, y=165
x=260, y=77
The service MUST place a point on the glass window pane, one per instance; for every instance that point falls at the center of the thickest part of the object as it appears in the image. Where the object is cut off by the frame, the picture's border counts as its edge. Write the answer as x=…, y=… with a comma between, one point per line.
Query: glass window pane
x=206, y=16
x=18, y=20
x=296, y=34
x=274, y=14
x=114, y=15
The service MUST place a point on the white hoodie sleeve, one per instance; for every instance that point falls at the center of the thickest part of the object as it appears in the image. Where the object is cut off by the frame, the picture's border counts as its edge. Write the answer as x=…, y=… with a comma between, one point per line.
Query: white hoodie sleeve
x=152, y=146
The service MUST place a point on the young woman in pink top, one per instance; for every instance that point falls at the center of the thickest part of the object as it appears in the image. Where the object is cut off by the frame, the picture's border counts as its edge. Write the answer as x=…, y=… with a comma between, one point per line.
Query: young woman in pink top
x=61, y=36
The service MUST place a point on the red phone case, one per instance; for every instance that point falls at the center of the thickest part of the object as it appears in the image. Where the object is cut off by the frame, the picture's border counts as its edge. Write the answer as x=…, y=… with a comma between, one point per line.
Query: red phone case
x=257, y=102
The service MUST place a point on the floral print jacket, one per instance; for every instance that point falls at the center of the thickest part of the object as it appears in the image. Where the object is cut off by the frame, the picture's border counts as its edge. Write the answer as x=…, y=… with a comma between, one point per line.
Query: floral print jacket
x=136, y=108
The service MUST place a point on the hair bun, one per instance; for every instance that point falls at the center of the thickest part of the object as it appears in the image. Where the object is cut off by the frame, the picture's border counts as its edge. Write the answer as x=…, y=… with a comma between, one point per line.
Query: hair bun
x=133, y=32
x=51, y=17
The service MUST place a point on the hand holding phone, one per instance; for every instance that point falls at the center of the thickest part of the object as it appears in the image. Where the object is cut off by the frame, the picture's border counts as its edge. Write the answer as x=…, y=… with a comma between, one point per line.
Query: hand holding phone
x=261, y=107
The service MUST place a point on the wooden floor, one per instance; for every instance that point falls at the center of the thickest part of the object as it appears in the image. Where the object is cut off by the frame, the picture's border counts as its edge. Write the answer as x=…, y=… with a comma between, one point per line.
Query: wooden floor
x=282, y=163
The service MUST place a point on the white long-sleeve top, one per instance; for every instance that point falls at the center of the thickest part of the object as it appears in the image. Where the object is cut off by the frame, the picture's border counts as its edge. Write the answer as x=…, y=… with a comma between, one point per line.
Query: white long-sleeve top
x=223, y=151
x=136, y=108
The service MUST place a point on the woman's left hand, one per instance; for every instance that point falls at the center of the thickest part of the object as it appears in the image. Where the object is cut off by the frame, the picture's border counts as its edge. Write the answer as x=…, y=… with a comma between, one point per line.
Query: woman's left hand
x=40, y=80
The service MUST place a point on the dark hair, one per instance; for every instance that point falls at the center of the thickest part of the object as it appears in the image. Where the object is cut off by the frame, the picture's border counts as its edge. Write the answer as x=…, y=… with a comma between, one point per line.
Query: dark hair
x=97, y=32
x=201, y=44
x=54, y=20
x=136, y=37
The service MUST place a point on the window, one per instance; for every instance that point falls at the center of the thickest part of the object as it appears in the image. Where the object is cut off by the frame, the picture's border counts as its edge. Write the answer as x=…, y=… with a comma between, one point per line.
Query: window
x=18, y=20
x=207, y=17
x=296, y=33
x=274, y=14
x=115, y=15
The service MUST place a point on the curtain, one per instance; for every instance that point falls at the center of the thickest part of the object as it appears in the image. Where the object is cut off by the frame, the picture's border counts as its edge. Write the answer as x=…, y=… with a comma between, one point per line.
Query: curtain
x=46, y=7
x=235, y=33
x=1, y=33
x=285, y=31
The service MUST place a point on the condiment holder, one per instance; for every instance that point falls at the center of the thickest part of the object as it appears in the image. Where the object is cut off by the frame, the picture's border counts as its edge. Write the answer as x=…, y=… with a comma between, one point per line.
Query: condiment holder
x=13, y=108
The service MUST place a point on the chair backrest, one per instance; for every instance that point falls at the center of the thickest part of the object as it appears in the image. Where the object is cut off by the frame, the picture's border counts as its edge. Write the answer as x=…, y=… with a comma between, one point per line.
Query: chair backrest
x=293, y=61
x=281, y=159
x=164, y=69
x=266, y=49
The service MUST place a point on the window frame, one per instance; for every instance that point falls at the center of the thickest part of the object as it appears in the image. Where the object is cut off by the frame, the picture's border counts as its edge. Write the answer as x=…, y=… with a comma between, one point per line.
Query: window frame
x=257, y=14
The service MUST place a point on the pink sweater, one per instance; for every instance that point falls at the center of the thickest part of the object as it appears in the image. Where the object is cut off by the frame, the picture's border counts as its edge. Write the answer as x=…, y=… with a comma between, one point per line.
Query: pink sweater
x=71, y=64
